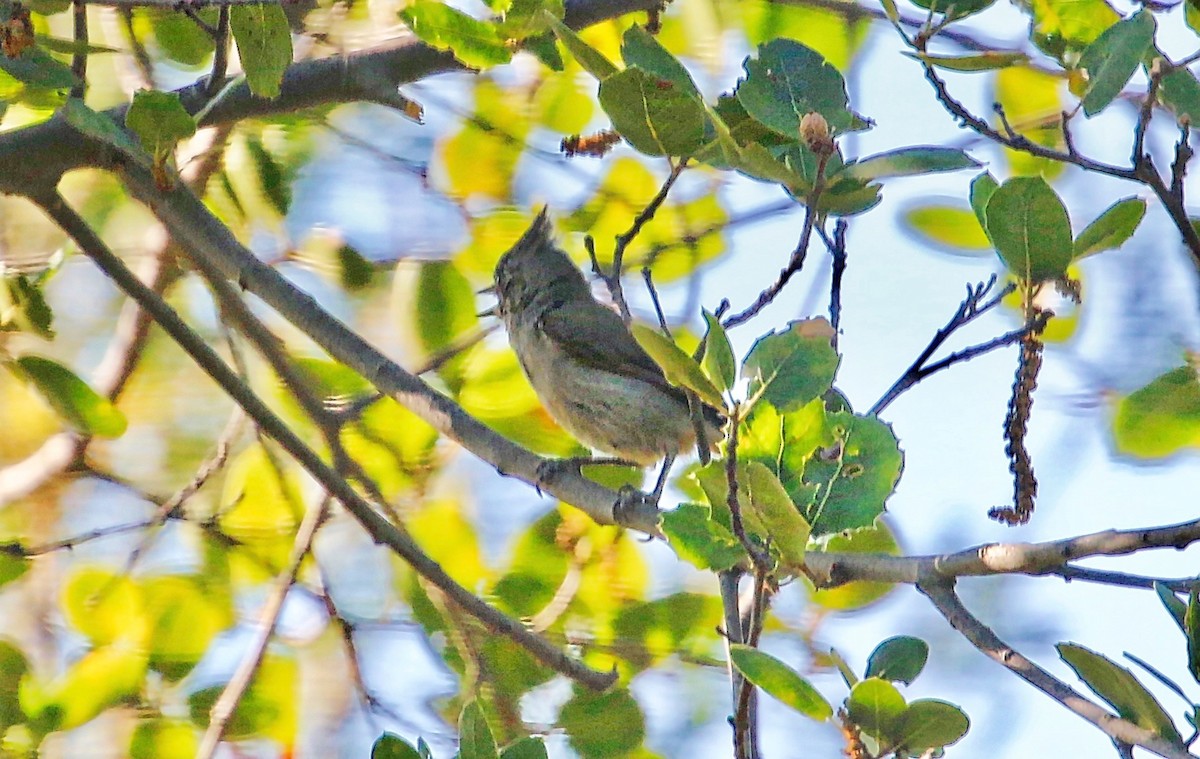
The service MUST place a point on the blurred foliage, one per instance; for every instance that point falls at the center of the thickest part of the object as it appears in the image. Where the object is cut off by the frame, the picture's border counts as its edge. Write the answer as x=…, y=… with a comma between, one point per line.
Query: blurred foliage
x=183, y=529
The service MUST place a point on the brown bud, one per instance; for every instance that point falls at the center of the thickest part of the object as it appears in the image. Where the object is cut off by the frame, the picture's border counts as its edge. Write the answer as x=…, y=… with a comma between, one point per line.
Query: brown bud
x=814, y=130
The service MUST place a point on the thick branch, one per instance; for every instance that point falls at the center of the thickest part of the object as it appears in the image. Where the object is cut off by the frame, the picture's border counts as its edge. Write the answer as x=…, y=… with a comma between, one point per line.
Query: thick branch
x=832, y=569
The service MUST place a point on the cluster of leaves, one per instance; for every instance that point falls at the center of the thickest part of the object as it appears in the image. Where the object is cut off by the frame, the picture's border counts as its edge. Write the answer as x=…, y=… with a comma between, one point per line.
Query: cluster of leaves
x=807, y=467
x=874, y=712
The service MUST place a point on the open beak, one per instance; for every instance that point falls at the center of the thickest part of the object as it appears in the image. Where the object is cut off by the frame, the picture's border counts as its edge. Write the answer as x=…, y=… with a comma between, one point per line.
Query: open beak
x=494, y=310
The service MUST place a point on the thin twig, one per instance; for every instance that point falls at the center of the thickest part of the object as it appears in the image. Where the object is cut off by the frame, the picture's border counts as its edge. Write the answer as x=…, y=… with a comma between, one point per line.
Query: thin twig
x=837, y=252
x=1070, y=573
x=794, y=264
x=946, y=601
x=228, y=701
x=757, y=556
x=216, y=75
x=79, y=58
x=379, y=528
x=613, y=278
x=972, y=307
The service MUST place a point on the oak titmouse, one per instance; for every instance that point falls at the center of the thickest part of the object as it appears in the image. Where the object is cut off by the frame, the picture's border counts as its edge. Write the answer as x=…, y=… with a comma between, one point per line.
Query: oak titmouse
x=583, y=362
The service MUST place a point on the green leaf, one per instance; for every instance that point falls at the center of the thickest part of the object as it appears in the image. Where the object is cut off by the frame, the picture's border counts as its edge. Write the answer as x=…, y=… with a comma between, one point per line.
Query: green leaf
x=787, y=81
x=159, y=120
x=270, y=176
x=790, y=368
x=877, y=707
x=1117, y=686
x=929, y=724
x=35, y=68
x=524, y=20
x=1181, y=92
x=1064, y=27
x=786, y=528
x=442, y=305
x=780, y=681
x=528, y=747
x=264, y=42
x=183, y=617
x=103, y=678
x=592, y=60
x=654, y=114
x=13, y=667
x=954, y=8
x=70, y=47
x=680, y=368
x=1111, y=228
x=82, y=408
x=12, y=564
x=982, y=189
x=163, y=739
x=475, y=739
x=1111, y=60
x=602, y=725
x=1177, y=609
x=718, y=362
x=907, y=162
x=181, y=39
x=641, y=49
x=23, y=306
x=476, y=43
x=1191, y=15
x=947, y=226
x=898, y=659
x=989, y=60
x=1028, y=223
x=1161, y=418
x=855, y=476
x=699, y=540
x=268, y=708
x=1191, y=628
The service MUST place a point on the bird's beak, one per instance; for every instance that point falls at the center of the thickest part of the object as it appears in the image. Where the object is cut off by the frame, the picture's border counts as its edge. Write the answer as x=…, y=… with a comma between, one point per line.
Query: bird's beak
x=494, y=310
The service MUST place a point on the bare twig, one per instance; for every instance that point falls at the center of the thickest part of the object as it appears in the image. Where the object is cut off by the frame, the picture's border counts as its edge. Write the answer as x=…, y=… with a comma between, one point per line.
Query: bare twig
x=972, y=307
x=79, y=58
x=794, y=264
x=216, y=75
x=837, y=252
x=612, y=279
x=227, y=702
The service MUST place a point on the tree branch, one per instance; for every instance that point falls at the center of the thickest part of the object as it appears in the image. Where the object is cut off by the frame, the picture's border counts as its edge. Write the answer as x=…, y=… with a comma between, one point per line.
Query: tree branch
x=942, y=594
x=379, y=528
x=830, y=569
x=232, y=694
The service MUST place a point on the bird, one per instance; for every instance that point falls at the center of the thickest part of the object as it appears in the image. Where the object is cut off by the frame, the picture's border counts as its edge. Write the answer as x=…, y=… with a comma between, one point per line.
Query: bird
x=584, y=364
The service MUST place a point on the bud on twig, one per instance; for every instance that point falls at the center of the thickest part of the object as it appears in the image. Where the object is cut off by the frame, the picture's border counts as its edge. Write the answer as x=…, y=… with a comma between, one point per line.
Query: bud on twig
x=814, y=130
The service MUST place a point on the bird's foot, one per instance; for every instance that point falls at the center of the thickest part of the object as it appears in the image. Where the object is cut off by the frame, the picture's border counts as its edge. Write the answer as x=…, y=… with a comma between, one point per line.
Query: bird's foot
x=629, y=502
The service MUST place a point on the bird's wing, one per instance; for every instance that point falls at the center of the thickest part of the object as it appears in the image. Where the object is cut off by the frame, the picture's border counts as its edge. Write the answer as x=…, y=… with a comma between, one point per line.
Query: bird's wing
x=595, y=336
